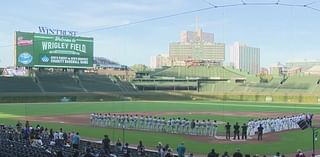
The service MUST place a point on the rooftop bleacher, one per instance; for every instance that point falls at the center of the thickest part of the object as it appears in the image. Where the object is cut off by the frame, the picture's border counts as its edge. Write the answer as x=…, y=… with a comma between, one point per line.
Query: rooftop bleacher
x=197, y=71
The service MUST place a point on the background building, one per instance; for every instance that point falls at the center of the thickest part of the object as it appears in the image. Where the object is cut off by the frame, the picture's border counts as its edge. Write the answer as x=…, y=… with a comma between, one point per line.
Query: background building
x=278, y=69
x=302, y=63
x=197, y=36
x=245, y=58
x=196, y=46
x=159, y=61
x=303, y=66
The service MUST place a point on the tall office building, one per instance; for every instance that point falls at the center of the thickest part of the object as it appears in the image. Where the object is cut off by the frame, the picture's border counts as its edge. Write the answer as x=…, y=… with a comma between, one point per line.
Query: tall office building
x=245, y=58
x=196, y=46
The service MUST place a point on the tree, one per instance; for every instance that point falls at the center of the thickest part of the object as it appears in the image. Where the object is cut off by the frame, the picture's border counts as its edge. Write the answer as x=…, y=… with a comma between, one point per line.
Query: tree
x=140, y=68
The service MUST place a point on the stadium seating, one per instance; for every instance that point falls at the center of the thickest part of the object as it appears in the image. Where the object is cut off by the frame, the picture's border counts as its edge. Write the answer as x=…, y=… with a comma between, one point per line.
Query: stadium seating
x=58, y=82
x=99, y=83
x=18, y=84
x=299, y=84
x=21, y=148
x=218, y=87
x=64, y=82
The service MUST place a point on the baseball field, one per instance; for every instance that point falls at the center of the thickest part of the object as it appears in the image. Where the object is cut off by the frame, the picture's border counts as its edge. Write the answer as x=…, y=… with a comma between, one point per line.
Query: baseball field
x=74, y=116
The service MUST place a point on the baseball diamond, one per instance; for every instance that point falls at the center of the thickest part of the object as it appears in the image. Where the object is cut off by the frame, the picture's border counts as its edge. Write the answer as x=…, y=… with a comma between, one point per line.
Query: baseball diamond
x=72, y=112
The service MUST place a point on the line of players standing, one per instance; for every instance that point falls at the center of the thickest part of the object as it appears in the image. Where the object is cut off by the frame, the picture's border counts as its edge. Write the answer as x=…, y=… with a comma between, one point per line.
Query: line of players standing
x=267, y=125
x=153, y=123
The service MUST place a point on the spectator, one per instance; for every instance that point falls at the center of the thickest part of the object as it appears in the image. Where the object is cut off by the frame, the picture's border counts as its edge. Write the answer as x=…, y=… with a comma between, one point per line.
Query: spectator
x=163, y=152
x=300, y=153
x=88, y=153
x=190, y=155
x=106, y=144
x=225, y=154
x=166, y=147
x=76, y=141
x=60, y=134
x=27, y=125
x=212, y=153
x=181, y=149
x=71, y=136
x=76, y=154
x=45, y=133
x=19, y=126
x=237, y=153
x=126, y=150
x=38, y=142
x=140, y=148
x=277, y=154
x=55, y=136
x=51, y=136
x=169, y=153
x=59, y=153
x=159, y=148
x=118, y=146
x=65, y=137
x=102, y=153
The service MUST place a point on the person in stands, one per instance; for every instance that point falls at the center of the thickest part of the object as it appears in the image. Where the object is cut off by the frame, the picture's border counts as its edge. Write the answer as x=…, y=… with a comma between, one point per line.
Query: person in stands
x=300, y=153
x=237, y=153
x=212, y=153
x=106, y=144
x=140, y=148
x=181, y=150
x=76, y=141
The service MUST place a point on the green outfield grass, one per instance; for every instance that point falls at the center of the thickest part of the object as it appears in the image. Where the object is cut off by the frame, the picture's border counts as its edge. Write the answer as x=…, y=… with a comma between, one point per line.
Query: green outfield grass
x=288, y=143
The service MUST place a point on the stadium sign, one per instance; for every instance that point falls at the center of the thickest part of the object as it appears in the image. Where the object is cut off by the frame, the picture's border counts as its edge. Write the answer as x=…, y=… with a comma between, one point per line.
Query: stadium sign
x=52, y=31
x=42, y=50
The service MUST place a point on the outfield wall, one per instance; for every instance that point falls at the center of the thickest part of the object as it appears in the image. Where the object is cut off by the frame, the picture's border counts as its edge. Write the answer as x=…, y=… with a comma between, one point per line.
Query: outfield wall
x=158, y=96
x=90, y=97
x=260, y=97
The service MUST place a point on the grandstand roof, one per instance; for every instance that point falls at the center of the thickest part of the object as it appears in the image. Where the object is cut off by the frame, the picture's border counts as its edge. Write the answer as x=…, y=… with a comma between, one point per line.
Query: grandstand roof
x=106, y=63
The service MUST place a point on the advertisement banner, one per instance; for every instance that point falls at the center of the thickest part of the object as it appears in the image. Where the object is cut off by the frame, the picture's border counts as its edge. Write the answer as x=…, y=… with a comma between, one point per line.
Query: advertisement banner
x=42, y=50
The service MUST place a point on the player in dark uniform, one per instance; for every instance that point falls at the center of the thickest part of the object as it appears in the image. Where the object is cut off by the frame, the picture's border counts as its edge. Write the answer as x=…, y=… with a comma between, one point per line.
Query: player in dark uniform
x=192, y=126
x=260, y=132
x=227, y=127
x=244, y=131
x=236, y=132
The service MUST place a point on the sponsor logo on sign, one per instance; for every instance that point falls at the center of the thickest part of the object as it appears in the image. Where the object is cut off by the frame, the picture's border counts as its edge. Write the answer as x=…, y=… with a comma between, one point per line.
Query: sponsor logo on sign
x=22, y=42
x=25, y=58
x=45, y=59
x=53, y=31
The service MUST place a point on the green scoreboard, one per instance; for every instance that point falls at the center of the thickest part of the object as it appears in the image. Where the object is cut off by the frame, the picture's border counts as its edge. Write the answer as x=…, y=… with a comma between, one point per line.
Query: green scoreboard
x=42, y=50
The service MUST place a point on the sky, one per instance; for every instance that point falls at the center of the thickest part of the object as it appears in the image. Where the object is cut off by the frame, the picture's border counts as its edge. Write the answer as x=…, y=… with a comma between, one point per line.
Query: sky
x=281, y=32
